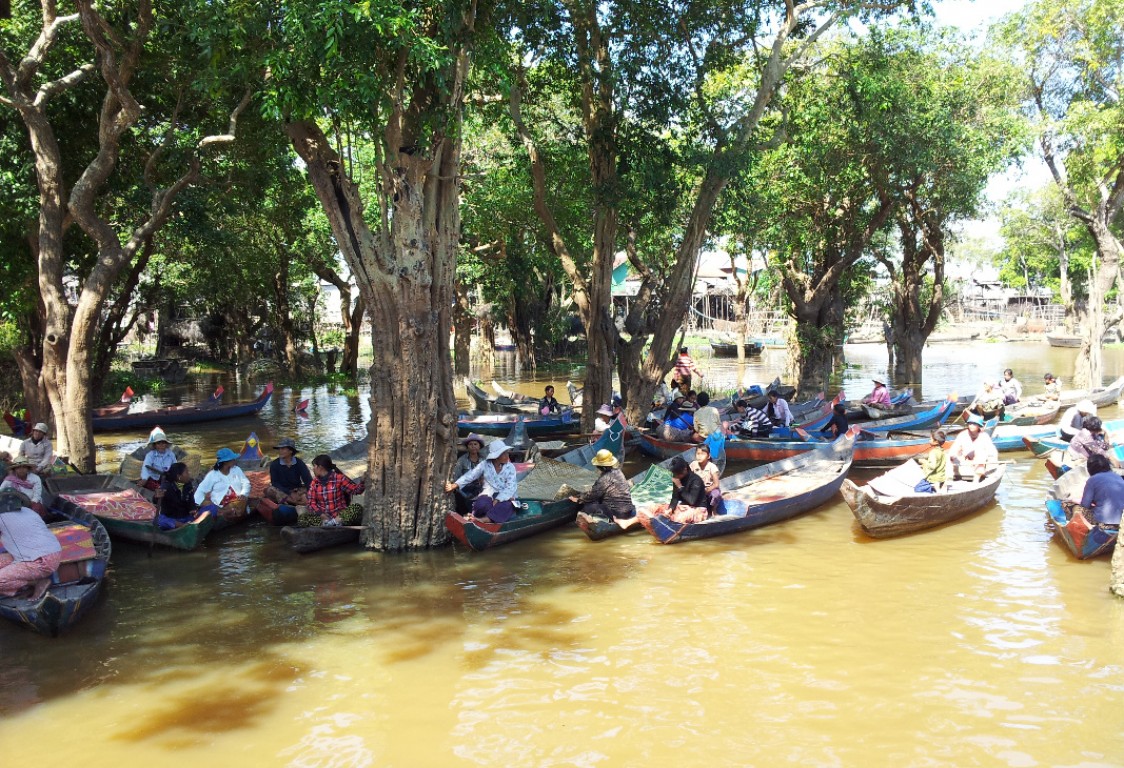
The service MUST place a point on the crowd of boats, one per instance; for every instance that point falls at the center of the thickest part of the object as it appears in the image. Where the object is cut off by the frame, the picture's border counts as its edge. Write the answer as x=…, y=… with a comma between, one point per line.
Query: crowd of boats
x=798, y=468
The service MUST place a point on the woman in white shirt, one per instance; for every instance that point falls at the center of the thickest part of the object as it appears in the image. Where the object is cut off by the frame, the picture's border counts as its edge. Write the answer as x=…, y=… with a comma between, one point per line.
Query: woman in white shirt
x=225, y=490
x=497, y=499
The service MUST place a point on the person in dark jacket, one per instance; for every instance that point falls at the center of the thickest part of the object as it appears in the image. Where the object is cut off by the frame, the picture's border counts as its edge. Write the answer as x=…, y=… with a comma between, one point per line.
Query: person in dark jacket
x=689, y=491
x=289, y=477
x=176, y=498
x=837, y=425
x=611, y=495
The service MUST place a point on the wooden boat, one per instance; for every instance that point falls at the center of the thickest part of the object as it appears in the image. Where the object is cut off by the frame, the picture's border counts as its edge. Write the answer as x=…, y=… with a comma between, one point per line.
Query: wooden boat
x=768, y=494
x=1066, y=516
x=1063, y=340
x=482, y=401
x=874, y=413
x=534, y=517
x=168, y=370
x=1098, y=395
x=20, y=428
x=77, y=583
x=856, y=411
x=183, y=414
x=888, y=506
x=1040, y=446
x=501, y=424
x=730, y=348
x=1030, y=413
x=305, y=540
x=132, y=463
x=123, y=510
x=935, y=415
x=1008, y=437
x=650, y=487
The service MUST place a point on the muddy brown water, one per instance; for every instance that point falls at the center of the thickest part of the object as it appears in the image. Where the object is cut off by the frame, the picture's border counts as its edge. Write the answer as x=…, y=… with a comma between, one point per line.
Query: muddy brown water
x=805, y=643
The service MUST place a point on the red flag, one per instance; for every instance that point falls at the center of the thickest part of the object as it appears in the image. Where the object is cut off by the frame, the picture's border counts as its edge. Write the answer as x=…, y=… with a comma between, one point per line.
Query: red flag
x=127, y=395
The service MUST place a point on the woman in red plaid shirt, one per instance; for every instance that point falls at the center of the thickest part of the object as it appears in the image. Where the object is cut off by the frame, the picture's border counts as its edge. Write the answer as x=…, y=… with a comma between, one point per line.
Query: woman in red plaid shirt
x=330, y=491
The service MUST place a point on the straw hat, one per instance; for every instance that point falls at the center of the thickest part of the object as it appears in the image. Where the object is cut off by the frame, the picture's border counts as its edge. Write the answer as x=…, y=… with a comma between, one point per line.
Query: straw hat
x=472, y=436
x=225, y=454
x=40, y=427
x=21, y=461
x=605, y=458
x=496, y=449
x=1086, y=407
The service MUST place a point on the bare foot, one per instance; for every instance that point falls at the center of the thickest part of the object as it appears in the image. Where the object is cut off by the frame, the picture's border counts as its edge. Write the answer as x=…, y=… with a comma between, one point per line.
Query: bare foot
x=39, y=588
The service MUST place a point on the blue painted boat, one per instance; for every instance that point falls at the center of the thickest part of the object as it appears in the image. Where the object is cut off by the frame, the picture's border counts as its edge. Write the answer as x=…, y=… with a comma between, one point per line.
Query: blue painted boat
x=501, y=424
x=777, y=491
x=1040, y=446
x=1011, y=438
x=930, y=417
x=1083, y=539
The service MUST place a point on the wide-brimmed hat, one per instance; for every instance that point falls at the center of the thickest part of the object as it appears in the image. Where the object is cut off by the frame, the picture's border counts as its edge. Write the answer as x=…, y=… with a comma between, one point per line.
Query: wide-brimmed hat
x=472, y=436
x=1086, y=407
x=289, y=443
x=40, y=427
x=605, y=410
x=496, y=449
x=604, y=458
x=878, y=381
x=157, y=436
x=977, y=420
x=225, y=454
x=21, y=461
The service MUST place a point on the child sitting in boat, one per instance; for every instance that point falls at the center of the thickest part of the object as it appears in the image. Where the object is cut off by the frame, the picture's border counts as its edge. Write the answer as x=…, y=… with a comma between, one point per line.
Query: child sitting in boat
x=708, y=471
x=330, y=491
x=707, y=418
x=32, y=551
x=934, y=465
x=176, y=498
x=752, y=422
x=497, y=499
x=157, y=461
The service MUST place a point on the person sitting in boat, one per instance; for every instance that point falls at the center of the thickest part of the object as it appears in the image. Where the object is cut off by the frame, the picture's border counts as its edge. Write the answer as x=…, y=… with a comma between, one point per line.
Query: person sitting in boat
x=973, y=454
x=1053, y=387
x=934, y=465
x=707, y=418
x=225, y=490
x=157, y=461
x=1010, y=387
x=604, y=419
x=1104, y=492
x=548, y=404
x=777, y=409
x=176, y=498
x=473, y=445
x=22, y=480
x=289, y=476
x=688, y=495
x=988, y=402
x=1088, y=442
x=837, y=425
x=5, y=463
x=710, y=474
x=330, y=491
x=497, y=499
x=1074, y=419
x=37, y=448
x=691, y=402
x=610, y=497
x=879, y=397
x=678, y=424
x=753, y=422
x=618, y=409
x=32, y=553
x=685, y=368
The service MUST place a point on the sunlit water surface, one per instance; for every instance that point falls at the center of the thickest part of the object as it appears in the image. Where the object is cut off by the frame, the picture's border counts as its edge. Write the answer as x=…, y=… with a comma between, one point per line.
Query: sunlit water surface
x=982, y=643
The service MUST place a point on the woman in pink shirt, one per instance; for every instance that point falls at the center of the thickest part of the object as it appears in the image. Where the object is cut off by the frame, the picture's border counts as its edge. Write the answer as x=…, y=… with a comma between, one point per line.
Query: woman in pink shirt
x=879, y=396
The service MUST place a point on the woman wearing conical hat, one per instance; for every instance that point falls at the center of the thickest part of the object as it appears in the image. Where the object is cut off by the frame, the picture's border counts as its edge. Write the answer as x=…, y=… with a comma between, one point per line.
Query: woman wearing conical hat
x=611, y=495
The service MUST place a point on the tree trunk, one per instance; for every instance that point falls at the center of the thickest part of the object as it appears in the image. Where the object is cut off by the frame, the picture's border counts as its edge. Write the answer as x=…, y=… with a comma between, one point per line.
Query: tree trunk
x=349, y=365
x=811, y=351
x=922, y=241
x=1088, y=367
x=285, y=318
x=405, y=273
x=463, y=322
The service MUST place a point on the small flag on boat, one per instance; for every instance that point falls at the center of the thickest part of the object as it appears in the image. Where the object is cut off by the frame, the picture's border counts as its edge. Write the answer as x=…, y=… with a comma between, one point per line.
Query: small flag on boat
x=127, y=395
x=251, y=450
x=302, y=405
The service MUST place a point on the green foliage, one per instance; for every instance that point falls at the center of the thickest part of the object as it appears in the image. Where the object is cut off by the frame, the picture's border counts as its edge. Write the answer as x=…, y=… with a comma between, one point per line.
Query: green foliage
x=1039, y=233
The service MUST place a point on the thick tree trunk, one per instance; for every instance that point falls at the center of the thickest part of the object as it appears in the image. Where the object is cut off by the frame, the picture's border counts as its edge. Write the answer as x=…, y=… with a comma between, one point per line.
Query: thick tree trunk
x=284, y=317
x=349, y=365
x=1088, y=367
x=463, y=323
x=405, y=273
x=34, y=387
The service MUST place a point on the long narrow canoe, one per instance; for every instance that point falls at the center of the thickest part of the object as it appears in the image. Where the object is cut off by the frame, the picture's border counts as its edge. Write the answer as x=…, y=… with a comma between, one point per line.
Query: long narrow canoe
x=1008, y=437
x=535, y=517
x=888, y=506
x=1098, y=395
x=305, y=540
x=1063, y=340
x=123, y=510
x=932, y=416
x=1030, y=413
x=730, y=349
x=500, y=424
x=1040, y=446
x=77, y=583
x=768, y=494
x=1067, y=517
x=482, y=401
x=188, y=414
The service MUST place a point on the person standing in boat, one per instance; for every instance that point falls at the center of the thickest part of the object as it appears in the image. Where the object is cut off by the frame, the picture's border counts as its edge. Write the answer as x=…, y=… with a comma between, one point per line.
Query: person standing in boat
x=473, y=445
x=21, y=479
x=549, y=404
x=225, y=490
x=934, y=465
x=1089, y=442
x=707, y=418
x=1104, y=492
x=610, y=498
x=972, y=453
x=710, y=474
x=777, y=409
x=1010, y=388
x=289, y=476
x=330, y=491
x=497, y=499
x=837, y=425
x=37, y=448
x=1074, y=419
x=879, y=397
x=32, y=553
x=157, y=461
x=685, y=368
x=176, y=498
